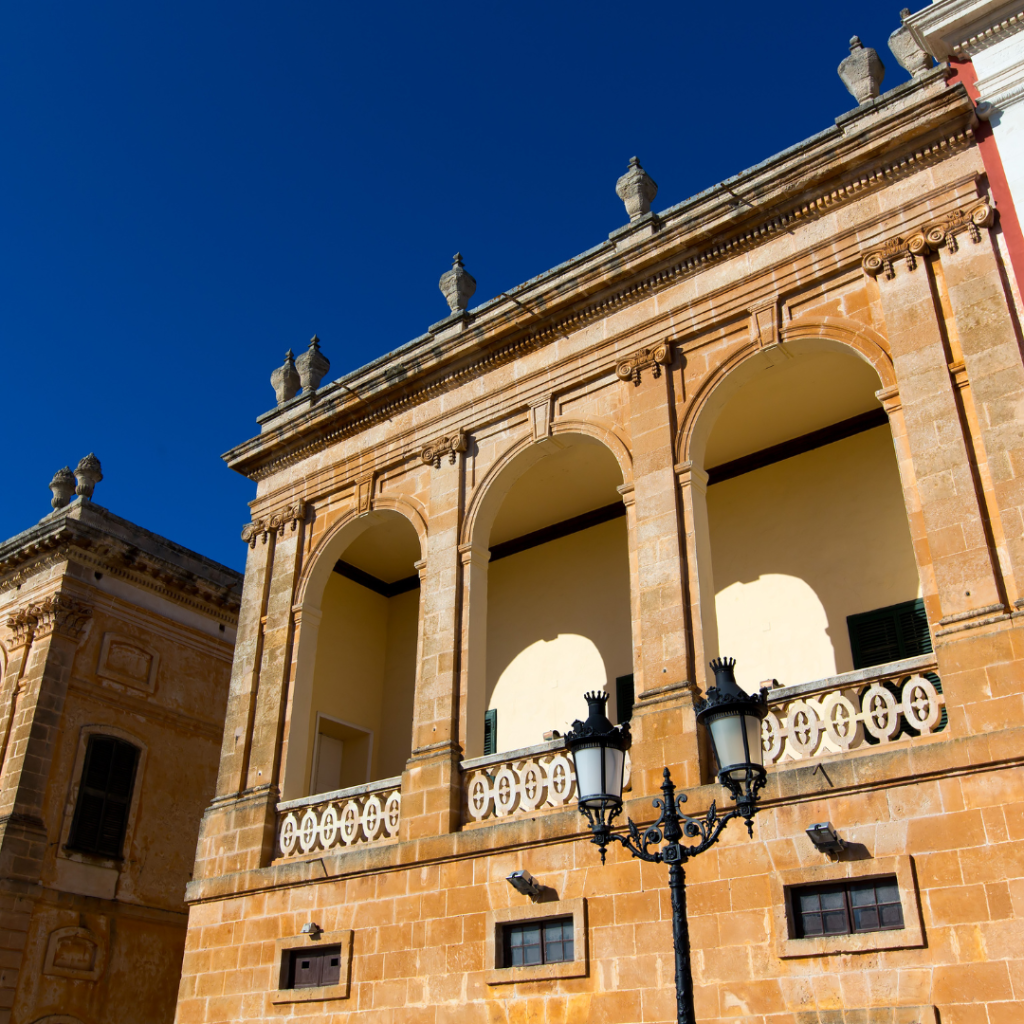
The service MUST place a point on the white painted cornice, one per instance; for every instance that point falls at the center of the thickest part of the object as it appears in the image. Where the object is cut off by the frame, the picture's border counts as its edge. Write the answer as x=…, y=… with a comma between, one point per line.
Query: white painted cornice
x=962, y=28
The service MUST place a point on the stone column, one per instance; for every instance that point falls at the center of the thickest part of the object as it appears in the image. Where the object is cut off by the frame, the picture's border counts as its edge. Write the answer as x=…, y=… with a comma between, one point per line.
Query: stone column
x=693, y=484
x=995, y=371
x=960, y=554
x=60, y=623
x=663, y=720
x=245, y=671
x=473, y=674
x=431, y=783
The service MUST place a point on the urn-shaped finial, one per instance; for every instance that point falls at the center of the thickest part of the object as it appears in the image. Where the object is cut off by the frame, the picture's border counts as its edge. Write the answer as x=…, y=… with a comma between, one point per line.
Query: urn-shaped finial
x=63, y=486
x=637, y=189
x=285, y=379
x=312, y=366
x=906, y=49
x=89, y=474
x=862, y=72
x=457, y=285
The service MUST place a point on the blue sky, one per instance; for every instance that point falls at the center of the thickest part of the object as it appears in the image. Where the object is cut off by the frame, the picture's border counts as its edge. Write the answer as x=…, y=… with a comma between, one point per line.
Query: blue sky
x=187, y=190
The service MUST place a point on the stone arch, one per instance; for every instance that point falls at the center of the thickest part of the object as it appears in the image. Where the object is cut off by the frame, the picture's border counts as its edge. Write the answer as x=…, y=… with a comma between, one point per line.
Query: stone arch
x=322, y=559
x=804, y=333
x=487, y=498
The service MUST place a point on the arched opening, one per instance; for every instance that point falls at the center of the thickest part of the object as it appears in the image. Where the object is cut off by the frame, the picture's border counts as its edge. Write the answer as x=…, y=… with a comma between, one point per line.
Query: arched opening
x=558, y=619
x=807, y=525
x=353, y=704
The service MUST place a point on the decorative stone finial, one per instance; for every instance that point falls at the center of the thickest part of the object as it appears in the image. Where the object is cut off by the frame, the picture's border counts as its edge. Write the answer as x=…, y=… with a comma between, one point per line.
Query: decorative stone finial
x=862, y=72
x=89, y=474
x=285, y=379
x=906, y=49
x=63, y=486
x=637, y=189
x=457, y=285
x=312, y=366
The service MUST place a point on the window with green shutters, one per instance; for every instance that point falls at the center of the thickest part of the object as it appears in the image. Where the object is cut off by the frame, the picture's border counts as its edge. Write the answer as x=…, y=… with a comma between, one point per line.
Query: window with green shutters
x=491, y=732
x=889, y=634
x=104, y=797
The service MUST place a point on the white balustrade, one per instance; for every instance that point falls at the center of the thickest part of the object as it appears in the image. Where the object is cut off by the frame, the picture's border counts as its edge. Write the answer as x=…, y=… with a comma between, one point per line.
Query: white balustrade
x=853, y=711
x=520, y=782
x=345, y=818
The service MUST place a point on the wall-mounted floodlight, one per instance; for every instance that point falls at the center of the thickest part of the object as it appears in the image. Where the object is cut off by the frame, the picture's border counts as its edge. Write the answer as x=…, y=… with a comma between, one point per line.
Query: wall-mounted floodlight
x=312, y=929
x=825, y=837
x=524, y=882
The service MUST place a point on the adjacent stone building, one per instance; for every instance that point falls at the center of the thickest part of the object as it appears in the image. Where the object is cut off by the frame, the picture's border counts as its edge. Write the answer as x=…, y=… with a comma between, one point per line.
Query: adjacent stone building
x=115, y=652
x=783, y=420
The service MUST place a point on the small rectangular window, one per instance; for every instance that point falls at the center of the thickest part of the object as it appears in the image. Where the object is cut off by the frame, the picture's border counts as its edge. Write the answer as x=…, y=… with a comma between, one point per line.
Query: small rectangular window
x=538, y=942
x=104, y=797
x=491, y=732
x=889, y=634
x=313, y=968
x=847, y=908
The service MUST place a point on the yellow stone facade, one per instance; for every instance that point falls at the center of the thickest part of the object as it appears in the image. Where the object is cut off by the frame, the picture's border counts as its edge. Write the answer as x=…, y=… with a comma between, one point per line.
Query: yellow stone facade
x=107, y=632
x=611, y=379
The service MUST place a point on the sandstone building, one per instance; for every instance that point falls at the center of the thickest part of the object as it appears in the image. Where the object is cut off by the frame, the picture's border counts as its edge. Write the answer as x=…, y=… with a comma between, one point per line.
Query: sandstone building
x=780, y=421
x=115, y=653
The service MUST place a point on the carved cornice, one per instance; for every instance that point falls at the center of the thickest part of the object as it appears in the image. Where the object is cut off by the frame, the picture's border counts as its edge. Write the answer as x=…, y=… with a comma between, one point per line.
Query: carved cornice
x=990, y=36
x=655, y=357
x=558, y=326
x=277, y=522
x=447, y=444
x=932, y=237
x=57, y=614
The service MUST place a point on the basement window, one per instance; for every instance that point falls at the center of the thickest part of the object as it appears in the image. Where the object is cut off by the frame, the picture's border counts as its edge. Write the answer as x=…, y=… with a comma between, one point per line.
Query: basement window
x=313, y=968
x=847, y=908
x=538, y=942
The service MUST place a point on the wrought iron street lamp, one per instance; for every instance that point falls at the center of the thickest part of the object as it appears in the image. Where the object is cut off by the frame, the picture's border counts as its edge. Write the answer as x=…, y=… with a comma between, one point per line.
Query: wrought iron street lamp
x=733, y=720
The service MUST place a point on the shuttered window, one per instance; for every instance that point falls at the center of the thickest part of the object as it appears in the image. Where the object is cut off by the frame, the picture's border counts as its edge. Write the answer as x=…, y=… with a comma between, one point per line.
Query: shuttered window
x=624, y=697
x=104, y=796
x=314, y=968
x=889, y=634
x=491, y=732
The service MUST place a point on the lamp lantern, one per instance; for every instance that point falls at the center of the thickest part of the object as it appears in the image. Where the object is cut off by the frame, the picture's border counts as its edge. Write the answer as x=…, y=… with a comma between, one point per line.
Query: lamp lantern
x=598, y=751
x=733, y=720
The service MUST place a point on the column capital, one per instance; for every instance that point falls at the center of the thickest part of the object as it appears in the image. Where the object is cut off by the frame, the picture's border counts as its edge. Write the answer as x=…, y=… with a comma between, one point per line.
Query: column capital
x=474, y=554
x=449, y=444
x=276, y=522
x=654, y=356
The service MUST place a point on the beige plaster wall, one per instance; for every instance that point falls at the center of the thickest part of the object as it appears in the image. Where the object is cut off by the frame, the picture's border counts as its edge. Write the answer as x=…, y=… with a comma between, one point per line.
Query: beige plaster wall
x=799, y=545
x=558, y=624
x=366, y=667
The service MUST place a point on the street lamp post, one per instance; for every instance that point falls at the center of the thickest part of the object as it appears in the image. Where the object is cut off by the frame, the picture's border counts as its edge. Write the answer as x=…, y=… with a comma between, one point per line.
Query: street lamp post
x=733, y=720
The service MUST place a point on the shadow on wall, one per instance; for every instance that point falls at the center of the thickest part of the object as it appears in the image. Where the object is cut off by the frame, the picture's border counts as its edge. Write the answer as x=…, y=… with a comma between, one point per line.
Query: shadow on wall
x=799, y=545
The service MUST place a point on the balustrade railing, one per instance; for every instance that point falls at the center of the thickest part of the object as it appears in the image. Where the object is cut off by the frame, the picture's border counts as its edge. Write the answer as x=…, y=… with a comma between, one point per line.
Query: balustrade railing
x=854, y=711
x=520, y=782
x=345, y=818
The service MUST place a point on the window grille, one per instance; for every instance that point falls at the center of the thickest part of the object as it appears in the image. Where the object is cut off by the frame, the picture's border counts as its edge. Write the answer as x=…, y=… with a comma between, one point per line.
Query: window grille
x=104, y=797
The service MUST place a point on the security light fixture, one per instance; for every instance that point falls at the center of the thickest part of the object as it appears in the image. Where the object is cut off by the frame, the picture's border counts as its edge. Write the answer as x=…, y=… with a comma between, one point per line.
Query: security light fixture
x=525, y=883
x=598, y=748
x=312, y=929
x=825, y=837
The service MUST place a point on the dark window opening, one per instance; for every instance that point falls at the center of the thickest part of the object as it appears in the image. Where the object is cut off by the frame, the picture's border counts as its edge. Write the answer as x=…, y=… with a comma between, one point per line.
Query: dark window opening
x=889, y=634
x=538, y=942
x=624, y=698
x=312, y=968
x=104, y=797
x=847, y=908
x=491, y=732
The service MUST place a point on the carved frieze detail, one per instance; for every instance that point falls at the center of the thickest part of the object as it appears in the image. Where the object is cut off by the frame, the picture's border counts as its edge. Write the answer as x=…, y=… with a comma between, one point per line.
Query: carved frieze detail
x=277, y=522
x=943, y=233
x=655, y=357
x=448, y=444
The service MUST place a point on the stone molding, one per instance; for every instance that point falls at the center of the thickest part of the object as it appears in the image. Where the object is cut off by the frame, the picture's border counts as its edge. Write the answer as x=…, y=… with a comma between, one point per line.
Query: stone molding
x=275, y=523
x=932, y=237
x=447, y=444
x=57, y=614
x=782, y=223
x=991, y=35
x=654, y=357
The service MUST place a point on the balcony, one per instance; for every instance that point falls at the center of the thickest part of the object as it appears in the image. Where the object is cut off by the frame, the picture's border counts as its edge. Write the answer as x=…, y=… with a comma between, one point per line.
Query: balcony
x=855, y=711
x=339, y=820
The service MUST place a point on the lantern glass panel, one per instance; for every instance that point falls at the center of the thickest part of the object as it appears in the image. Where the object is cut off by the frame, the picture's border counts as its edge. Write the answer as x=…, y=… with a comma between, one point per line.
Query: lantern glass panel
x=727, y=733
x=589, y=762
x=755, y=749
